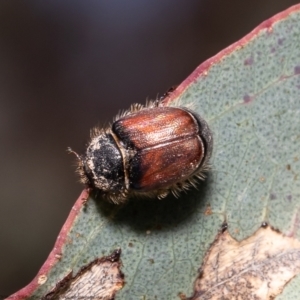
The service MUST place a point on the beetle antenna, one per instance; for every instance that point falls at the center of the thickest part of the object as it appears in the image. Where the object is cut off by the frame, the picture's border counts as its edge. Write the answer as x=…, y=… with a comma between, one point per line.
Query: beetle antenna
x=70, y=151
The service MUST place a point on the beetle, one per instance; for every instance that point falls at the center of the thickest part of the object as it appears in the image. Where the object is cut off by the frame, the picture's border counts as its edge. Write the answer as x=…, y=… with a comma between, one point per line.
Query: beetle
x=149, y=150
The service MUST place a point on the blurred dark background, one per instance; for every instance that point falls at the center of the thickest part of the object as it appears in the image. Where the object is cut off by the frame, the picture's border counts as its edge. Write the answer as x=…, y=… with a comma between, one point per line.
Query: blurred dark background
x=66, y=66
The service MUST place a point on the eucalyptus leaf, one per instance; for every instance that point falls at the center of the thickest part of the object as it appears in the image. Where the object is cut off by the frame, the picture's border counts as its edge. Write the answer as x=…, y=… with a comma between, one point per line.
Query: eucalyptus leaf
x=250, y=96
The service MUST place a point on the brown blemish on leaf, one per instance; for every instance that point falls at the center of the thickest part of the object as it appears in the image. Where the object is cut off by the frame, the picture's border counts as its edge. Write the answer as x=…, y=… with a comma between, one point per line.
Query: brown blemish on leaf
x=208, y=211
x=256, y=268
x=78, y=234
x=182, y=296
x=69, y=241
x=236, y=230
x=100, y=280
x=262, y=179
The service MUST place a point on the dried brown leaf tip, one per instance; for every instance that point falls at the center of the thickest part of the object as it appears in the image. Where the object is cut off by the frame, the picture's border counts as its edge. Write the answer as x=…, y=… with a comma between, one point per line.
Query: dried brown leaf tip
x=99, y=280
x=256, y=268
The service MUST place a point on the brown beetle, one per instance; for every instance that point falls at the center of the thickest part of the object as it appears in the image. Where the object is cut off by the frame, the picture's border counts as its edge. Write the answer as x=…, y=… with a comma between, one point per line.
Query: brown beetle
x=148, y=151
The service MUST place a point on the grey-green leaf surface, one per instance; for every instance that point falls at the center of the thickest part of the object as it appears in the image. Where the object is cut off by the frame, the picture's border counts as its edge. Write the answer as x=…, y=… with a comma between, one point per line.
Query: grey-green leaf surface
x=250, y=96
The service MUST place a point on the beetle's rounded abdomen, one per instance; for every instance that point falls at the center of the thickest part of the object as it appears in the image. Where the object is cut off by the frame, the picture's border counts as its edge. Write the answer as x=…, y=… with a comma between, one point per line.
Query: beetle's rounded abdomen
x=166, y=146
x=158, y=168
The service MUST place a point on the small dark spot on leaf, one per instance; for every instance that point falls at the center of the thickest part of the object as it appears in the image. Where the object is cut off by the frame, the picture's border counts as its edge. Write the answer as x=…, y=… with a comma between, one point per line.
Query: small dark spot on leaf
x=289, y=198
x=280, y=41
x=247, y=99
x=288, y=167
x=282, y=77
x=151, y=260
x=130, y=245
x=273, y=49
x=264, y=224
x=248, y=61
x=297, y=70
x=200, y=272
x=272, y=196
x=224, y=227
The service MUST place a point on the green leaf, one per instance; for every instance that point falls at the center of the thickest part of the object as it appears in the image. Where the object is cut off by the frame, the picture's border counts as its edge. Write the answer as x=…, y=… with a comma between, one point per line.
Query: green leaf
x=250, y=95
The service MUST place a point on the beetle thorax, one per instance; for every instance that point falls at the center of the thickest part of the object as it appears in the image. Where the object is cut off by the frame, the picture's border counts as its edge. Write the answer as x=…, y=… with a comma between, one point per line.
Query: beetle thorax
x=104, y=164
